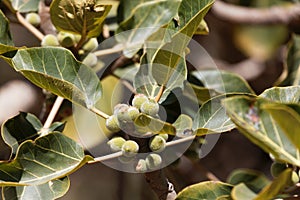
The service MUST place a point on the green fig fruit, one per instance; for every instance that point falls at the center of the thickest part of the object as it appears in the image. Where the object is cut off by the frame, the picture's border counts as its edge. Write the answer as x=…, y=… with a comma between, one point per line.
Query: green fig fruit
x=130, y=148
x=116, y=143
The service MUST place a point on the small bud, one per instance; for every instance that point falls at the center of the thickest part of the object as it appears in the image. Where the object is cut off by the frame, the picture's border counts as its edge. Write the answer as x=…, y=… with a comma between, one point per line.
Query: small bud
x=165, y=136
x=138, y=100
x=130, y=148
x=153, y=161
x=33, y=18
x=150, y=108
x=116, y=143
x=157, y=144
x=90, y=60
x=119, y=106
x=49, y=40
x=123, y=115
x=112, y=124
x=294, y=178
x=66, y=39
x=141, y=166
x=133, y=112
x=91, y=45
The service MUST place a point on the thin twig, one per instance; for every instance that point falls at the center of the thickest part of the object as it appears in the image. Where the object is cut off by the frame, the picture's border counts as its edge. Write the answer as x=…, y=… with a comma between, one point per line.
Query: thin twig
x=119, y=153
x=99, y=112
x=30, y=27
x=160, y=93
x=106, y=157
x=115, y=49
x=245, y=15
x=52, y=115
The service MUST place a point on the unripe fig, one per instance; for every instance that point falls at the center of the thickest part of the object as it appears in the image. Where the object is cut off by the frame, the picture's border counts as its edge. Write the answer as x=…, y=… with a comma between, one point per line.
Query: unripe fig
x=294, y=178
x=130, y=148
x=165, y=136
x=116, y=143
x=119, y=106
x=150, y=108
x=141, y=166
x=66, y=39
x=33, y=18
x=77, y=37
x=138, y=100
x=90, y=60
x=133, y=112
x=112, y=124
x=49, y=40
x=91, y=45
x=277, y=168
x=153, y=161
x=157, y=144
x=123, y=115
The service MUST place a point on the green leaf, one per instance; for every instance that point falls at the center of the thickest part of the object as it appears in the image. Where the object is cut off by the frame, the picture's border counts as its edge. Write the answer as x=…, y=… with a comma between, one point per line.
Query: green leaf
x=254, y=180
x=259, y=127
x=47, y=191
x=289, y=94
x=82, y=17
x=191, y=13
x=20, y=128
x=55, y=69
x=291, y=75
x=241, y=191
x=277, y=186
x=146, y=84
x=145, y=19
x=205, y=190
x=165, y=51
x=288, y=120
x=5, y=36
x=183, y=125
x=222, y=82
x=25, y=5
x=212, y=118
x=40, y=161
x=145, y=123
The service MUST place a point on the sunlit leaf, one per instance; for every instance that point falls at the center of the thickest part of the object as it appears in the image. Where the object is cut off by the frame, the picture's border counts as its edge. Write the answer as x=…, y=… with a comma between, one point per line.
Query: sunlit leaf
x=55, y=69
x=146, y=84
x=164, y=60
x=205, y=190
x=283, y=94
x=40, y=161
x=288, y=120
x=20, y=128
x=183, y=125
x=145, y=123
x=254, y=180
x=259, y=127
x=241, y=191
x=277, y=186
x=145, y=18
x=25, y=5
x=47, y=191
x=222, y=81
x=82, y=17
x=212, y=118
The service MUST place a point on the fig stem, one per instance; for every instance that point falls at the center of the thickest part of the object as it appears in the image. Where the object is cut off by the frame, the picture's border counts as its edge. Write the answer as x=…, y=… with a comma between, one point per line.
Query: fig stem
x=29, y=26
x=115, y=49
x=52, y=114
x=99, y=112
